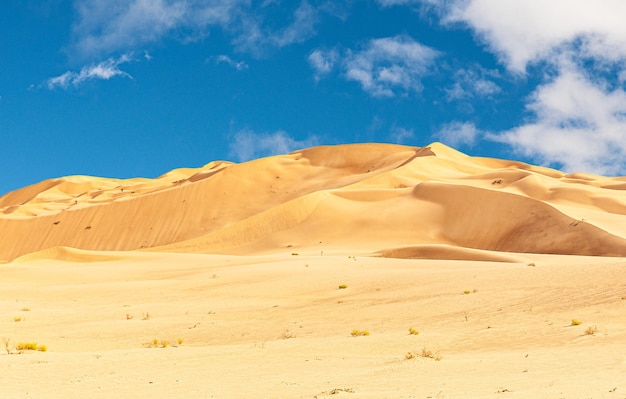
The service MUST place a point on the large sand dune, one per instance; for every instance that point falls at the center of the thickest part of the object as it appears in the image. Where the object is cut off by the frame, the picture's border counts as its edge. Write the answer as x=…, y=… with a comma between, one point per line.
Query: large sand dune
x=369, y=196
x=238, y=267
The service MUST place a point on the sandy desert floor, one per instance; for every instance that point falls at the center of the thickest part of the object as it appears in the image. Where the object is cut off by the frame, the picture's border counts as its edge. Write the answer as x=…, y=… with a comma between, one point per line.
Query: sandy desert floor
x=249, y=280
x=279, y=326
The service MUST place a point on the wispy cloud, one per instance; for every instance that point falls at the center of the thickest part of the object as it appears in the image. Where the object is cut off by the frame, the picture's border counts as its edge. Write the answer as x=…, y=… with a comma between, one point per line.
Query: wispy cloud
x=224, y=59
x=104, y=70
x=247, y=144
x=390, y=64
x=401, y=135
x=105, y=27
x=458, y=134
x=383, y=67
x=472, y=82
x=252, y=35
x=322, y=62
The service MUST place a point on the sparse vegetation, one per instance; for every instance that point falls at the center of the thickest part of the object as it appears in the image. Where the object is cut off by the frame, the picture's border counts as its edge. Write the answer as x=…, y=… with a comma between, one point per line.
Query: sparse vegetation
x=575, y=322
x=343, y=286
x=591, y=330
x=17, y=319
x=413, y=331
x=156, y=343
x=30, y=346
x=467, y=292
x=7, y=344
x=129, y=316
x=531, y=264
x=359, y=333
x=425, y=353
x=287, y=334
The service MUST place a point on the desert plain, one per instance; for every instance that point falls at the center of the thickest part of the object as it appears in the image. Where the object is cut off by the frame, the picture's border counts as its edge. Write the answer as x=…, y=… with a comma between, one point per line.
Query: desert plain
x=348, y=271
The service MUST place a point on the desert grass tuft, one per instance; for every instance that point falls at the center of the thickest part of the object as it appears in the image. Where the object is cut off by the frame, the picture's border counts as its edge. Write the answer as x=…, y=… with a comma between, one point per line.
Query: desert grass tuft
x=7, y=344
x=425, y=353
x=413, y=331
x=575, y=322
x=343, y=286
x=591, y=330
x=359, y=333
x=30, y=346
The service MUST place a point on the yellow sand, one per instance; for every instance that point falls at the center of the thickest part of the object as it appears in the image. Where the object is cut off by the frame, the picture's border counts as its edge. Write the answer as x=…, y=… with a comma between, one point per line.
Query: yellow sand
x=488, y=259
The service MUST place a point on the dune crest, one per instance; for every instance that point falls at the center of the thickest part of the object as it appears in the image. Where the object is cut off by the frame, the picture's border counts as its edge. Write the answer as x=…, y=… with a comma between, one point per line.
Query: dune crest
x=437, y=201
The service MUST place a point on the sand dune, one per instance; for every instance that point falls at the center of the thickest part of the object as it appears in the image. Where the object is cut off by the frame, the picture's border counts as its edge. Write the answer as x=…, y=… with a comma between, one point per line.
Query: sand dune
x=248, y=280
x=367, y=196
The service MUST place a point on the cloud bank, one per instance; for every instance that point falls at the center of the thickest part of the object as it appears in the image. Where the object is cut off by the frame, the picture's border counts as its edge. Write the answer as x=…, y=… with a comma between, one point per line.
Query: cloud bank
x=576, y=117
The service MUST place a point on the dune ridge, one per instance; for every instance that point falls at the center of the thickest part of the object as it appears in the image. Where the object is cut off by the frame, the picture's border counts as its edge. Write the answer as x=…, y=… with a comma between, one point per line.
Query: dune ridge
x=370, y=197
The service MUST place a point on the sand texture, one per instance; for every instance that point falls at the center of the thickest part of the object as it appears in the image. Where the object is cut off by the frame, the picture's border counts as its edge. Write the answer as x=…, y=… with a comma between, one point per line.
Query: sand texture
x=300, y=275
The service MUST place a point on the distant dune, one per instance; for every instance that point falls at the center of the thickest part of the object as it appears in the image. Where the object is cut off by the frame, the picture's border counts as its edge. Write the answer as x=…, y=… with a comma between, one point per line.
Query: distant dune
x=393, y=200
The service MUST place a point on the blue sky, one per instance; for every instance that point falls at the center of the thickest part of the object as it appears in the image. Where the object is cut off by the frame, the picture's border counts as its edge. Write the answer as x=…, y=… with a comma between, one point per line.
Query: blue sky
x=135, y=88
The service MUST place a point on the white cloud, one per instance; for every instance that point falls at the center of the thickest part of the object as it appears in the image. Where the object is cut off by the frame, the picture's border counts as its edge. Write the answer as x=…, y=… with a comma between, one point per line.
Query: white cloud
x=522, y=32
x=578, y=123
x=389, y=3
x=388, y=65
x=472, y=82
x=322, y=61
x=105, y=70
x=107, y=26
x=401, y=135
x=254, y=37
x=247, y=145
x=224, y=59
x=457, y=134
x=383, y=67
x=578, y=119
x=104, y=27
x=302, y=27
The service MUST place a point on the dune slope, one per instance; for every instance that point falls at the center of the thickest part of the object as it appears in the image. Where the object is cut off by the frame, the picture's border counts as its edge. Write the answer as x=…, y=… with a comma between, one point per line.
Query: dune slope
x=373, y=197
